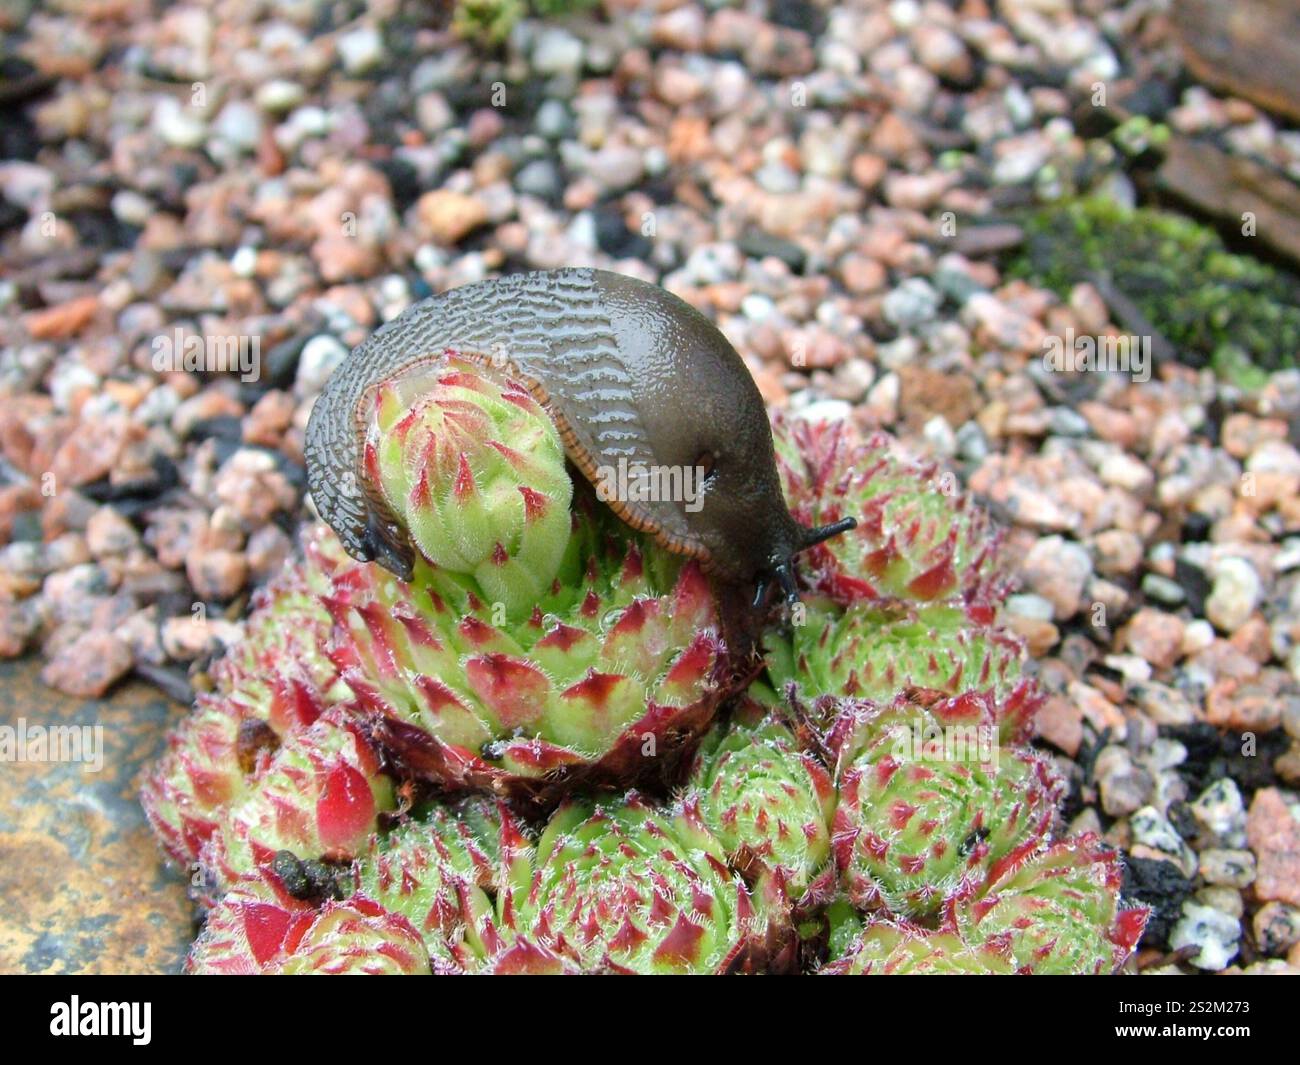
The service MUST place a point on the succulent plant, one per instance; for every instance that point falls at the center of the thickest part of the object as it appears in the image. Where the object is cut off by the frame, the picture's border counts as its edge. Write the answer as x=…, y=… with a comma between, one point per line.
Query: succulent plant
x=441, y=871
x=475, y=471
x=767, y=801
x=357, y=937
x=928, y=800
x=625, y=887
x=918, y=539
x=318, y=796
x=872, y=652
x=869, y=806
x=270, y=686
x=889, y=949
x=258, y=927
x=620, y=665
x=1053, y=911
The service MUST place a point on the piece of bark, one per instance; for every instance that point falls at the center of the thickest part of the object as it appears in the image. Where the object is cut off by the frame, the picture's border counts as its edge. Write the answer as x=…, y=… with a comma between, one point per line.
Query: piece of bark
x=1250, y=48
x=1228, y=187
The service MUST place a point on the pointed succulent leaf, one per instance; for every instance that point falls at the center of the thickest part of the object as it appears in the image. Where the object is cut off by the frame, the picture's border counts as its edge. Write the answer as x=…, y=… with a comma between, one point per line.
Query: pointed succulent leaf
x=1053, y=911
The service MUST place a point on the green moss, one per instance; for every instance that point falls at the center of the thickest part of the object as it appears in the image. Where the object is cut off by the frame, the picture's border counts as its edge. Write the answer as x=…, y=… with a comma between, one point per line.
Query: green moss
x=489, y=22
x=1217, y=308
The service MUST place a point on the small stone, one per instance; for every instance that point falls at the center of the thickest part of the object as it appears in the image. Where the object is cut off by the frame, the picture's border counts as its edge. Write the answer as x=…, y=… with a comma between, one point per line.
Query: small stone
x=321, y=355
x=557, y=51
x=1118, y=552
x=1163, y=704
x=616, y=166
x=1152, y=829
x=1163, y=589
x=63, y=320
x=19, y=624
x=450, y=216
x=1198, y=635
x=1222, y=898
x=216, y=574
x=1274, y=835
x=239, y=124
x=88, y=666
x=1058, y=570
x=108, y=533
x=1060, y=723
x=279, y=96
x=911, y=304
x=1230, y=868
x=177, y=125
x=268, y=549
x=361, y=50
x=187, y=638
x=1215, y=935
x=1155, y=636
x=1220, y=812
x=1277, y=928
x=942, y=52
x=1124, y=787
x=1234, y=595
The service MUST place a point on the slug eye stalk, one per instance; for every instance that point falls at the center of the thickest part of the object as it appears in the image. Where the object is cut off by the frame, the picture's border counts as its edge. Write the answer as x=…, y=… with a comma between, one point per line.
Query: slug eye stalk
x=782, y=571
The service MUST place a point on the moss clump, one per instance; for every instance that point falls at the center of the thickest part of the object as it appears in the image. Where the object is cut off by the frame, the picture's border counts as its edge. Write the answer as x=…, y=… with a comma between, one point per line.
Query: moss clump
x=489, y=22
x=1217, y=308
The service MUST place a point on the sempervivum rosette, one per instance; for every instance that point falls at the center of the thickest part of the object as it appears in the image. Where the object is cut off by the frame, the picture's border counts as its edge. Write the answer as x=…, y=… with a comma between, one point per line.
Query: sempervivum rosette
x=767, y=801
x=259, y=927
x=872, y=652
x=441, y=871
x=1053, y=911
x=624, y=887
x=318, y=795
x=273, y=684
x=474, y=469
x=617, y=669
x=918, y=539
x=886, y=948
x=928, y=800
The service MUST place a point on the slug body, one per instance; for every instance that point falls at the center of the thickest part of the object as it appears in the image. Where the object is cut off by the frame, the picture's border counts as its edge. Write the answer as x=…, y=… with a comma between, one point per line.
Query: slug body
x=633, y=377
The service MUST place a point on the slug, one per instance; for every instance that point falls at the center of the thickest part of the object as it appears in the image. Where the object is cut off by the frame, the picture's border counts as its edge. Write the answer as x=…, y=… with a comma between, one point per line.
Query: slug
x=628, y=372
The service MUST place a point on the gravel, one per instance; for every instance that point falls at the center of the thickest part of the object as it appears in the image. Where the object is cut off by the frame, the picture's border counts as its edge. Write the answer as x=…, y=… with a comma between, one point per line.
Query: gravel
x=837, y=201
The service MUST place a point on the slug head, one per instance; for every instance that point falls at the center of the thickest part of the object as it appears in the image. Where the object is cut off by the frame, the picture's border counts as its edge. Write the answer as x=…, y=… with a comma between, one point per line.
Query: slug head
x=781, y=566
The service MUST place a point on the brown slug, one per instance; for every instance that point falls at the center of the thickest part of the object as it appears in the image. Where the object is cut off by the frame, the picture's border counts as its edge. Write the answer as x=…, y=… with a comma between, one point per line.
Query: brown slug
x=627, y=371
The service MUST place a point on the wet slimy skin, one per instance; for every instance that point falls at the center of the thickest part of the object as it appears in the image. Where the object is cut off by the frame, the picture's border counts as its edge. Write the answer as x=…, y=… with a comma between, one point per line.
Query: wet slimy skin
x=630, y=374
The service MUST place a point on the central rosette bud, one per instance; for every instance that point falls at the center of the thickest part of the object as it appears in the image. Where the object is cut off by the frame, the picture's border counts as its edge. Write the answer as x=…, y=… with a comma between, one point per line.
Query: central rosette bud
x=474, y=469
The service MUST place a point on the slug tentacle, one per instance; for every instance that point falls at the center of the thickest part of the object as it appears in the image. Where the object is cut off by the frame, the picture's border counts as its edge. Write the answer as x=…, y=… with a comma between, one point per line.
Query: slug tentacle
x=632, y=377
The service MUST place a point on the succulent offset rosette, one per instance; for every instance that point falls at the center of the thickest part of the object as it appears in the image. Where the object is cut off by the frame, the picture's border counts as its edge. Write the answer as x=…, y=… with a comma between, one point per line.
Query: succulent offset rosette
x=1053, y=911
x=259, y=927
x=475, y=470
x=319, y=795
x=918, y=538
x=928, y=800
x=886, y=948
x=187, y=791
x=276, y=682
x=537, y=642
x=873, y=652
x=767, y=801
x=625, y=887
x=442, y=871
